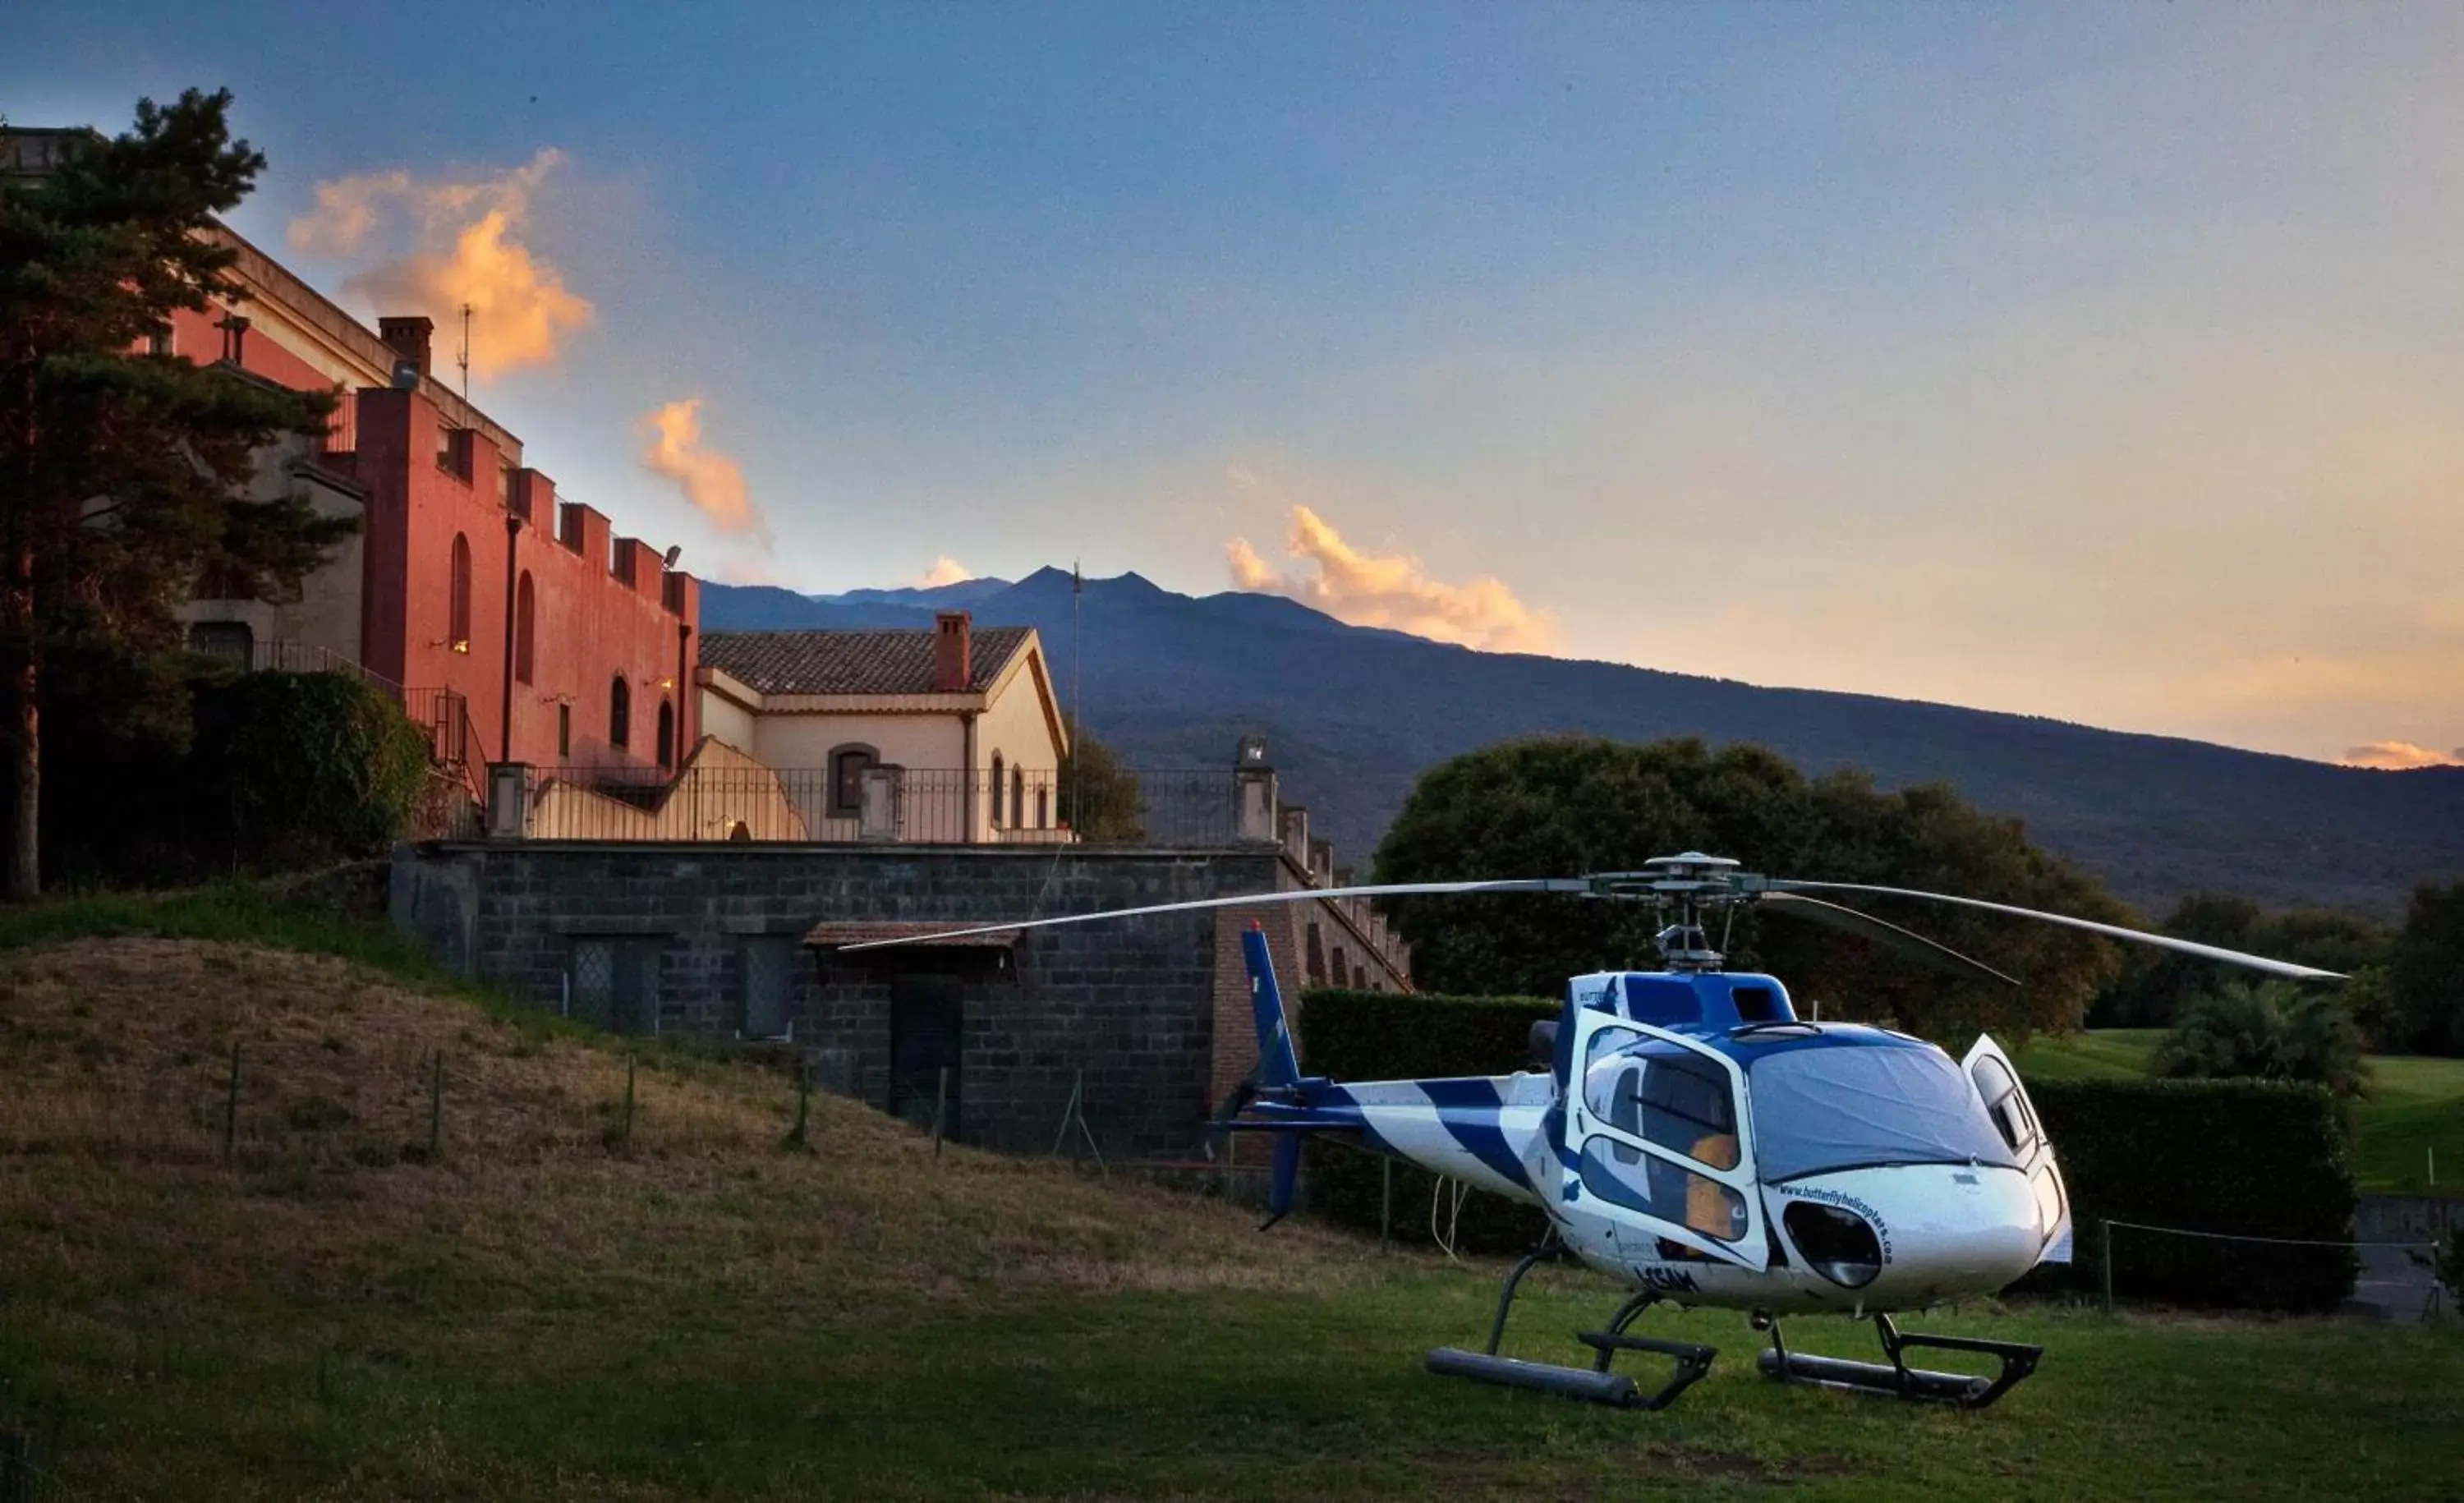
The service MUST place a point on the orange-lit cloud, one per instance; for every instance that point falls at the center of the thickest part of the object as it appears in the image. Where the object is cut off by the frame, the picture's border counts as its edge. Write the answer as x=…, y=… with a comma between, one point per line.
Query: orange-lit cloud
x=2400, y=757
x=449, y=245
x=713, y=482
x=1391, y=589
x=945, y=570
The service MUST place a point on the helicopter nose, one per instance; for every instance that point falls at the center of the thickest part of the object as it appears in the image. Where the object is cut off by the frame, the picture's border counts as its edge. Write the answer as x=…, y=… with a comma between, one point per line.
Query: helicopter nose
x=1938, y=1230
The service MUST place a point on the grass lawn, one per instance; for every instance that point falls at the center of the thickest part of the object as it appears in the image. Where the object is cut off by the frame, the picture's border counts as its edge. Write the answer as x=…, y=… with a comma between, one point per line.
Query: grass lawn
x=2416, y=1104
x=556, y=1308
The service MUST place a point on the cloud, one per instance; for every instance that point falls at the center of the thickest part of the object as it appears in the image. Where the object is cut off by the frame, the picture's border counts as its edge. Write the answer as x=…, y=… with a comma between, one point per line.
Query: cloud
x=451, y=244
x=945, y=570
x=1370, y=590
x=2399, y=756
x=712, y=481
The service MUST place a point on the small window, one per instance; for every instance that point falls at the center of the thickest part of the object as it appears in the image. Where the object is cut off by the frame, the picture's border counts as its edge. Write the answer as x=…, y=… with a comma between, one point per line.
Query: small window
x=998, y=786
x=614, y=983
x=1018, y=795
x=848, y=766
x=1042, y=806
x=563, y=732
x=667, y=734
x=1316, y=954
x=620, y=712
x=766, y=1007
x=230, y=639
x=457, y=627
x=1339, y=966
x=525, y=623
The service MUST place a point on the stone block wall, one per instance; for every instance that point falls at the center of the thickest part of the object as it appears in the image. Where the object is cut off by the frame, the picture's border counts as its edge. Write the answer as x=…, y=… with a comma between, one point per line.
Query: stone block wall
x=1136, y=1007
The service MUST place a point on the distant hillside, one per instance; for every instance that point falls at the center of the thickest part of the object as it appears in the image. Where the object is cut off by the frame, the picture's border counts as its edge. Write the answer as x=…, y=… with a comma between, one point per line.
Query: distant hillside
x=1353, y=715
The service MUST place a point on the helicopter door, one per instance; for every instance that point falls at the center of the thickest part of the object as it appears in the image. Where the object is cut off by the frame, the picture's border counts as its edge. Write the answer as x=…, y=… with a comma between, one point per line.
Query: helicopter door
x=2015, y=1118
x=1659, y=1141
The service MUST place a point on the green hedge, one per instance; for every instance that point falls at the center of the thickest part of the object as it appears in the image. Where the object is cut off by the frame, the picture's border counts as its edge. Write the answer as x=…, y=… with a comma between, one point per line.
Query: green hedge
x=2253, y=1157
x=2225, y=1156
x=1371, y=1035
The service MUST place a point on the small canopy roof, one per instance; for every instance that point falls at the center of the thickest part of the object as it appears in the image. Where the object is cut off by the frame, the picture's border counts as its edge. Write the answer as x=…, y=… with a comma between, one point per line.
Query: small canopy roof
x=862, y=931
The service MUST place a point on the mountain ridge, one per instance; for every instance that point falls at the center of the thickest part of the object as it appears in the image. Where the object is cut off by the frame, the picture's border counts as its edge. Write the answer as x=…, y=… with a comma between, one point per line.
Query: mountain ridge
x=1354, y=714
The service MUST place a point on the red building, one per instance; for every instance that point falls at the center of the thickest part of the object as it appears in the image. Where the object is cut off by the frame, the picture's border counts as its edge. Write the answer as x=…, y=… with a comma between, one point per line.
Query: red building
x=517, y=626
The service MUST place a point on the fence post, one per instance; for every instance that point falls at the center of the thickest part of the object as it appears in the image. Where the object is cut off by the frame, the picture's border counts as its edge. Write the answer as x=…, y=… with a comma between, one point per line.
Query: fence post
x=627, y=1138
x=231, y=1105
x=940, y=1108
x=436, y=1110
x=2105, y=1241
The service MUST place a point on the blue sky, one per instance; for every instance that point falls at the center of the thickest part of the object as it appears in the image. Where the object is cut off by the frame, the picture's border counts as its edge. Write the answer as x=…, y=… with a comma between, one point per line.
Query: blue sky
x=2091, y=362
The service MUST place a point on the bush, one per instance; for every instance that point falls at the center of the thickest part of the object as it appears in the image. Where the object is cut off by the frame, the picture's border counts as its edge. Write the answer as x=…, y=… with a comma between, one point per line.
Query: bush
x=2244, y=1156
x=303, y=768
x=1367, y=1035
x=2267, y=1031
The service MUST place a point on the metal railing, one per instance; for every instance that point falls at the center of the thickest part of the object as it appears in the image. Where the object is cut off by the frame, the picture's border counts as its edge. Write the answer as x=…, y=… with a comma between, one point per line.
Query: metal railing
x=904, y=805
x=280, y=656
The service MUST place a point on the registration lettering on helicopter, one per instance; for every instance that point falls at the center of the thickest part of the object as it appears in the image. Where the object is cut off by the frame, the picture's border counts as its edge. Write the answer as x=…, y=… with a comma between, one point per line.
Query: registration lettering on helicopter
x=1668, y=1281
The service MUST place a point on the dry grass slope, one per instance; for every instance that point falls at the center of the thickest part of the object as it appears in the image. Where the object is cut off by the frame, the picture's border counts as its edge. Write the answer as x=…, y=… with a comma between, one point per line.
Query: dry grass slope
x=549, y=1308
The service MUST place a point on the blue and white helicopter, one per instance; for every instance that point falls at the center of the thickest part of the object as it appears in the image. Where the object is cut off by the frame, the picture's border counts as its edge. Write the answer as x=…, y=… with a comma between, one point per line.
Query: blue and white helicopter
x=1697, y=1142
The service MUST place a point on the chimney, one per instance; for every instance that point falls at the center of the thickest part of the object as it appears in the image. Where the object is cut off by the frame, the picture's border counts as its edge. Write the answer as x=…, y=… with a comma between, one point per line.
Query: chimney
x=408, y=337
x=952, y=651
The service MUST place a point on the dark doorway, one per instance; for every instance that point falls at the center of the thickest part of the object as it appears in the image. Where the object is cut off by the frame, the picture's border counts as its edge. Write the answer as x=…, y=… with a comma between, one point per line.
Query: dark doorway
x=926, y=1014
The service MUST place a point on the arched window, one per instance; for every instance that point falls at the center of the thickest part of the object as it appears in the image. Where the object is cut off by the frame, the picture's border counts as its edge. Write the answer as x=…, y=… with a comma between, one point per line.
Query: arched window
x=526, y=625
x=457, y=625
x=667, y=734
x=1018, y=795
x=1042, y=806
x=620, y=712
x=848, y=764
x=998, y=786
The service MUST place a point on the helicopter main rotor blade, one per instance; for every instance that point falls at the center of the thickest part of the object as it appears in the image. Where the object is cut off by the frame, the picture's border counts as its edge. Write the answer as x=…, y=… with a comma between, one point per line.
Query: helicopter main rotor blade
x=2163, y=942
x=1889, y=936
x=1549, y=884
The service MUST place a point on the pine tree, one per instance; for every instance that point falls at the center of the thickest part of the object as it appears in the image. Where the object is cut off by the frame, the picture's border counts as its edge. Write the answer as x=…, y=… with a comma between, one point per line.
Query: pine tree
x=121, y=470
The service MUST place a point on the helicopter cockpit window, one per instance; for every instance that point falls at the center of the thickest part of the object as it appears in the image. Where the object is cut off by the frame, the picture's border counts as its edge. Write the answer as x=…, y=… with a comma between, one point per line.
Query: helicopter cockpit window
x=1662, y=1093
x=1624, y=1175
x=2004, y=1103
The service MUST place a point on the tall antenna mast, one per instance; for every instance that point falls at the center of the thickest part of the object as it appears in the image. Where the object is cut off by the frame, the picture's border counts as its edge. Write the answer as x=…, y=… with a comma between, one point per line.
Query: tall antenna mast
x=464, y=361
x=1077, y=712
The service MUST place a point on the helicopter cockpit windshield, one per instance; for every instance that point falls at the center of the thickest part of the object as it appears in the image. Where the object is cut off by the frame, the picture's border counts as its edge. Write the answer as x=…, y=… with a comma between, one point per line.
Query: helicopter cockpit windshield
x=1824, y=1109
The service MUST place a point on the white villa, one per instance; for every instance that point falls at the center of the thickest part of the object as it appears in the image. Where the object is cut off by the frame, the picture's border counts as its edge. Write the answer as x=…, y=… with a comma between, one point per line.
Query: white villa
x=953, y=733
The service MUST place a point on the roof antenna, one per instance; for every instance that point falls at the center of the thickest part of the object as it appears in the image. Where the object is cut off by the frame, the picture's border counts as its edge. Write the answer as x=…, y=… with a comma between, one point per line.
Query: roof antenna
x=463, y=360
x=1077, y=712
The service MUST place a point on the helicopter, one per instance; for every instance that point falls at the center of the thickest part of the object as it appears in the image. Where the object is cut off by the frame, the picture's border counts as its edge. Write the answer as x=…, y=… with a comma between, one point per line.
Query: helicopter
x=1691, y=1136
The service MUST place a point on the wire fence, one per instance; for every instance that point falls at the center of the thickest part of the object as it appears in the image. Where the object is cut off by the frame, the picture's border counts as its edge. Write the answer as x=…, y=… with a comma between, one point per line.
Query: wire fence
x=2346, y=1256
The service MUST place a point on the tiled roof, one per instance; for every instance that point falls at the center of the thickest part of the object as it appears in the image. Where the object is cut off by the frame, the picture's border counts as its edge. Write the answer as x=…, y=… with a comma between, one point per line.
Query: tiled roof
x=852, y=662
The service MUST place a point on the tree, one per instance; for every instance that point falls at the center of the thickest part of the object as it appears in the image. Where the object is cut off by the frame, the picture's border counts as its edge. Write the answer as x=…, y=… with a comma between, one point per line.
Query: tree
x=2154, y=985
x=2265, y=1030
x=1560, y=806
x=121, y=470
x=1100, y=799
x=2426, y=973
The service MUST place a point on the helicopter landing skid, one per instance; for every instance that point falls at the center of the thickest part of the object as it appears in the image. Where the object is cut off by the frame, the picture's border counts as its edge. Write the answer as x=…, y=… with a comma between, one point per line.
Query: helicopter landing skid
x=1594, y=1383
x=1897, y=1378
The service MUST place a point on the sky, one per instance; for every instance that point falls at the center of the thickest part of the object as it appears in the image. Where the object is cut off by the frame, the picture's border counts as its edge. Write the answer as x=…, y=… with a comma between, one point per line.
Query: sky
x=2092, y=362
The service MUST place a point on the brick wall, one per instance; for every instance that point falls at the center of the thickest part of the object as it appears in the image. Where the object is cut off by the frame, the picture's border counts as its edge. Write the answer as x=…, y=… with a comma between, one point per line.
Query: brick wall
x=1138, y=1006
